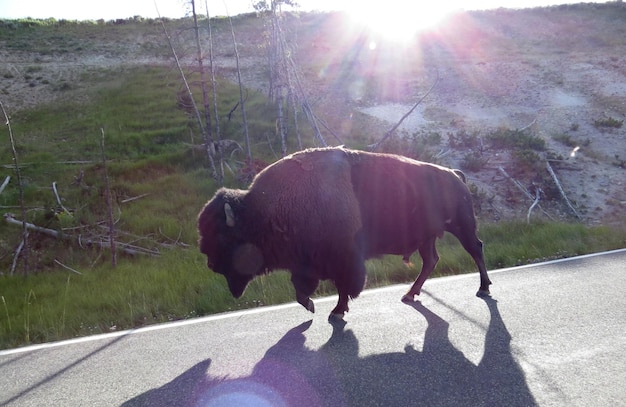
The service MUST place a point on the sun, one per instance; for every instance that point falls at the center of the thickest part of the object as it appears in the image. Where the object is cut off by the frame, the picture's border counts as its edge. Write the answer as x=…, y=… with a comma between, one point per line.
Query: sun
x=399, y=20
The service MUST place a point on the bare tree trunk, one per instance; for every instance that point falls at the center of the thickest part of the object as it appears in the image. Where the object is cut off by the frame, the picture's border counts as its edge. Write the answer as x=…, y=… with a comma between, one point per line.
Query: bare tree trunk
x=279, y=75
x=218, y=135
x=107, y=192
x=24, y=244
x=285, y=86
x=296, y=126
x=205, y=94
x=241, y=99
x=208, y=143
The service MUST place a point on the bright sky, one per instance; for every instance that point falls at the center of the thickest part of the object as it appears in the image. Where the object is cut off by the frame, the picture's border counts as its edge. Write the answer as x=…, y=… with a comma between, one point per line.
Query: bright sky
x=112, y=9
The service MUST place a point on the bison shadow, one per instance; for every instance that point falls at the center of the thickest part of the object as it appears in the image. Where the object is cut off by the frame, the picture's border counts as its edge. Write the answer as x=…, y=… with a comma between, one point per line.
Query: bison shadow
x=334, y=375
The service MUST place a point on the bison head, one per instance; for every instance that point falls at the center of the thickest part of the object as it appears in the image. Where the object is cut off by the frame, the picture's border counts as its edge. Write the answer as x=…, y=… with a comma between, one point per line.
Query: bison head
x=226, y=243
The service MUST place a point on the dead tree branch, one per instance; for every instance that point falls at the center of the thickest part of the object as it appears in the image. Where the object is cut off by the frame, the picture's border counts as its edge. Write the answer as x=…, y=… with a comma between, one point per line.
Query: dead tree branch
x=389, y=133
x=67, y=267
x=537, y=197
x=18, y=251
x=22, y=165
x=56, y=194
x=558, y=185
x=134, y=198
x=524, y=191
x=5, y=183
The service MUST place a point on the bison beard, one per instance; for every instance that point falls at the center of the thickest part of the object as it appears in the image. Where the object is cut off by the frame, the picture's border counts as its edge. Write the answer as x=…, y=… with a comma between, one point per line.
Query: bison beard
x=321, y=213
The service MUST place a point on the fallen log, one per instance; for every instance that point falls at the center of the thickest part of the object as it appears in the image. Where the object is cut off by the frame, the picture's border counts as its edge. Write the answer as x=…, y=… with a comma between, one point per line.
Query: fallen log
x=126, y=248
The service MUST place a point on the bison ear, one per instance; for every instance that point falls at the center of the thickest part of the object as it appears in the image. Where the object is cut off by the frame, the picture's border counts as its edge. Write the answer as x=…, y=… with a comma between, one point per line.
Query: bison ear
x=230, y=216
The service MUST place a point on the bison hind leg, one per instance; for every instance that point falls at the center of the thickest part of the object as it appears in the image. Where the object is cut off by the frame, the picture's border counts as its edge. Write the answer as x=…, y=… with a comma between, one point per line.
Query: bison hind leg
x=408, y=298
x=483, y=293
x=474, y=246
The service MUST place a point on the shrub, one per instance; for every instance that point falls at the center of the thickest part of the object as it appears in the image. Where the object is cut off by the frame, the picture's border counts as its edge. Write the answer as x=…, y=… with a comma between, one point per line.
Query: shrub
x=515, y=139
x=473, y=161
x=463, y=139
x=608, y=122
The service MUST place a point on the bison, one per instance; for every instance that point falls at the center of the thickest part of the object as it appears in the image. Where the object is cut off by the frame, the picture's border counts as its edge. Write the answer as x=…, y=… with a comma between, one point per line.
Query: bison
x=321, y=213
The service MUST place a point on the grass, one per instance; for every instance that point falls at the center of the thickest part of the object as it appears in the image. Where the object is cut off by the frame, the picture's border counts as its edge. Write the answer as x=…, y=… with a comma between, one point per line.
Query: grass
x=177, y=285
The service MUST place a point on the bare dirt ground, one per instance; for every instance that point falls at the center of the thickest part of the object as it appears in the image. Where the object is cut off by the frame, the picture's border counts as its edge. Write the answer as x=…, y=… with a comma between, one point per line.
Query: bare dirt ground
x=552, y=71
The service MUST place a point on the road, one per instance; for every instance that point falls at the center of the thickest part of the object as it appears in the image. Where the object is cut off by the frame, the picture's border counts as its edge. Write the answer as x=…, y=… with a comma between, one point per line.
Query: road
x=553, y=334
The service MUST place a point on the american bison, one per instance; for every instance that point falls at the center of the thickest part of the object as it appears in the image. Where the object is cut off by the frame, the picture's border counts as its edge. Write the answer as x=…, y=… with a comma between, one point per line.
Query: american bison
x=321, y=213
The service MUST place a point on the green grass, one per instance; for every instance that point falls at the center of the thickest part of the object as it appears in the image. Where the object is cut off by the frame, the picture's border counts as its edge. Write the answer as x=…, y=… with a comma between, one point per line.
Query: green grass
x=177, y=285
x=506, y=244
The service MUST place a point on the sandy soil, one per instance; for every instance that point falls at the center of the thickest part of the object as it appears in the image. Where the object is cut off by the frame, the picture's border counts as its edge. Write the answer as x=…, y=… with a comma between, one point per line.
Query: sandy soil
x=591, y=177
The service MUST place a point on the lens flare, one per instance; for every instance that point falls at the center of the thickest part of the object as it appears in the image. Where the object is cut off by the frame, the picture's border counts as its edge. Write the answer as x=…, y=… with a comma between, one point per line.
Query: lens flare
x=400, y=21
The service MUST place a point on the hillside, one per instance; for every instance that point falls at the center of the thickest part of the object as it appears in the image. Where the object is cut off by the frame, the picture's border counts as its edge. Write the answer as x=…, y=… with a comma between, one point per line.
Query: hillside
x=556, y=73
x=552, y=71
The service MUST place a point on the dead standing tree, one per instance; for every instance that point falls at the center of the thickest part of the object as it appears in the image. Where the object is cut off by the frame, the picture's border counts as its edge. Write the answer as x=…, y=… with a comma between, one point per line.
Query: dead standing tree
x=109, y=203
x=214, y=94
x=285, y=83
x=241, y=98
x=206, y=133
x=205, y=92
x=24, y=243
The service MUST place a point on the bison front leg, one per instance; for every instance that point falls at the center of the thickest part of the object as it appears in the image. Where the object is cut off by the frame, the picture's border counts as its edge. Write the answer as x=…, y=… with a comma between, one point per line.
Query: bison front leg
x=349, y=285
x=305, y=286
x=430, y=257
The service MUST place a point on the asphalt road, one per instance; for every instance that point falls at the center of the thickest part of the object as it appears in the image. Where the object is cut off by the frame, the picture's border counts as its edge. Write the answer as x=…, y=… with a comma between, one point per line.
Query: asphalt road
x=552, y=335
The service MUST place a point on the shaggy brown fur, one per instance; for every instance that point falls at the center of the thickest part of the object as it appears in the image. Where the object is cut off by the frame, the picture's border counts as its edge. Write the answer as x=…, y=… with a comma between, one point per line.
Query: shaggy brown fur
x=321, y=213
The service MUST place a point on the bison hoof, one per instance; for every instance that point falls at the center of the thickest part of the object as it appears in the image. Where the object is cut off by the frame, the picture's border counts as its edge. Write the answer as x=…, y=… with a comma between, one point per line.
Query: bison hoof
x=408, y=298
x=310, y=306
x=483, y=293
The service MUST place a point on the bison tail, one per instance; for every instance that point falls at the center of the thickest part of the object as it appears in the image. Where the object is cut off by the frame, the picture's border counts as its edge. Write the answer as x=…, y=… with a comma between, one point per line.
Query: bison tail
x=461, y=175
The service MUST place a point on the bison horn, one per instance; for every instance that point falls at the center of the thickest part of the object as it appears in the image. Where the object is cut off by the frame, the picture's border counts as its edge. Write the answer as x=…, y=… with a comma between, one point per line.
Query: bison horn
x=230, y=216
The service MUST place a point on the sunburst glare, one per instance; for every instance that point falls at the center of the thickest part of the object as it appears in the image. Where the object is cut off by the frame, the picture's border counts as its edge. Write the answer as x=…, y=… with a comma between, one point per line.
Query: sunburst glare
x=401, y=21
